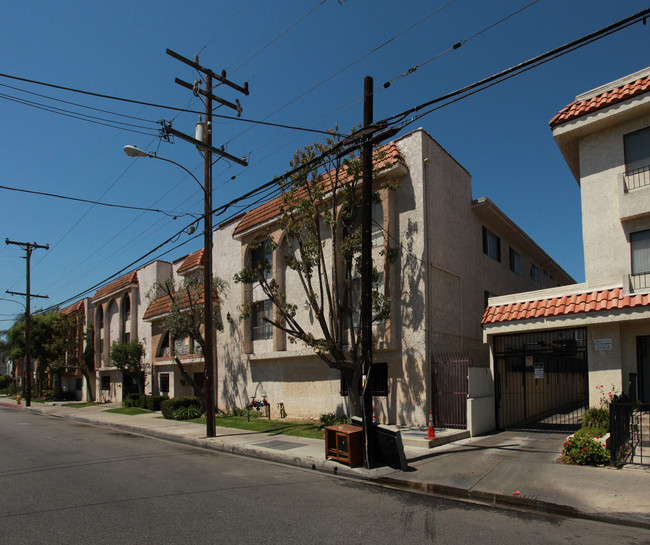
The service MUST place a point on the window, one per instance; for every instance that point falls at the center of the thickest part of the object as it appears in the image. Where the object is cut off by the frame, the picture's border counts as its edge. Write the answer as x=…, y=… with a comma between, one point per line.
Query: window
x=534, y=272
x=640, y=250
x=355, y=298
x=378, y=381
x=164, y=383
x=261, y=329
x=100, y=310
x=637, y=150
x=491, y=245
x=377, y=228
x=106, y=383
x=262, y=258
x=514, y=261
x=126, y=308
x=127, y=338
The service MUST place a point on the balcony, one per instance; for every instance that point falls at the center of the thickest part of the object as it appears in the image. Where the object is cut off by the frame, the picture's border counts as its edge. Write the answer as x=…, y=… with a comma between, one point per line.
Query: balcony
x=639, y=282
x=633, y=200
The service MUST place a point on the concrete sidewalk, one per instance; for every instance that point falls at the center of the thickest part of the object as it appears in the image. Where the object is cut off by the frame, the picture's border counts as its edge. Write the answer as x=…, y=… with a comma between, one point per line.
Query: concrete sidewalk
x=507, y=469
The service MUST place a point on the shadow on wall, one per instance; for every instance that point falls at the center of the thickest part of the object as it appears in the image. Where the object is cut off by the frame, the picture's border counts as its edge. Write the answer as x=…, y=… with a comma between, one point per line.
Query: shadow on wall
x=234, y=377
x=408, y=392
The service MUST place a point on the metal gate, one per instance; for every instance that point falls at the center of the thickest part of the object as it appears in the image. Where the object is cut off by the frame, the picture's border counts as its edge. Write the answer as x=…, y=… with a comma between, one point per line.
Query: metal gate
x=541, y=379
x=449, y=385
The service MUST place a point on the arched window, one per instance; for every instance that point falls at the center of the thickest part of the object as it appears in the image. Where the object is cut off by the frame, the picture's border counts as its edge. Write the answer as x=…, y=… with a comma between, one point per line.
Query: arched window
x=126, y=316
x=262, y=258
x=100, y=311
x=164, y=351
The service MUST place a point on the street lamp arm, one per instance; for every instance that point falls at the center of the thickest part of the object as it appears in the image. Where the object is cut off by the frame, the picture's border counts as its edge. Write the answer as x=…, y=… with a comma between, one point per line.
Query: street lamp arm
x=133, y=151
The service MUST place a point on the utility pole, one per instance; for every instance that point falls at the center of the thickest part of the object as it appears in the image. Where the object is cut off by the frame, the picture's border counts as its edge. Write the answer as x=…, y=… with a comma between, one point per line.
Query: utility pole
x=366, y=274
x=29, y=248
x=205, y=144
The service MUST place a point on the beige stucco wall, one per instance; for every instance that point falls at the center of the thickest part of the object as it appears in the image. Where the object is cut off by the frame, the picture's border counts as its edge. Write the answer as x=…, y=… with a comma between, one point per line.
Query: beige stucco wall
x=605, y=236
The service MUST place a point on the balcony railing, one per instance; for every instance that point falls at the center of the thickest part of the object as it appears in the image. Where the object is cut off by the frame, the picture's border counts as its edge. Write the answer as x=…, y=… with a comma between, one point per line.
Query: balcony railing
x=634, y=179
x=639, y=281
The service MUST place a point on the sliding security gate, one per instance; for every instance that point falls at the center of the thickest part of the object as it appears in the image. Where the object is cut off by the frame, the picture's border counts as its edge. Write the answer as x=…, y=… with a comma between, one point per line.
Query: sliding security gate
x=541, y=379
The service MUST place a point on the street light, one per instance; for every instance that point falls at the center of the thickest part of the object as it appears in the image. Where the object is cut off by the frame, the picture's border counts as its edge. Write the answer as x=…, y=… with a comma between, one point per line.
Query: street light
x=133, y=151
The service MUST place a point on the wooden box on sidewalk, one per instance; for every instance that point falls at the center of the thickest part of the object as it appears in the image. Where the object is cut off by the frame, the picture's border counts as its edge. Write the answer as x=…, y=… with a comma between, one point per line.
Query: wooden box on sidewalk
x=344, y=444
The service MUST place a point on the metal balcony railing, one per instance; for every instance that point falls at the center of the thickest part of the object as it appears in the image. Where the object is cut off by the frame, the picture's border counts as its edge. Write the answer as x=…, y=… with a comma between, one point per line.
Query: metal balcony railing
x=637, y=178
x=639, y=281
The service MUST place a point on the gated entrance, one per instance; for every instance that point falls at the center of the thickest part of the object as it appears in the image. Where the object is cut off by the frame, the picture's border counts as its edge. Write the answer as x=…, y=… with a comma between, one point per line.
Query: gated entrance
x=449, y=380
x=541, y=379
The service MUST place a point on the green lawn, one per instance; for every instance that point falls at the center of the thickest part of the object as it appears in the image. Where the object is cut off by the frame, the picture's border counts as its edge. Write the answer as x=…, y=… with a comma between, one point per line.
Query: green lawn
x=129, y=410
x=280, y=427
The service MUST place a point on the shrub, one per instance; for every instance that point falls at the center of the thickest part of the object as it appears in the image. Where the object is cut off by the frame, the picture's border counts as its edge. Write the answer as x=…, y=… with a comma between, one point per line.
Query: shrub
x=332, y=419
x=6, y=381
x=153, y=402
x=187, y=413
x=581, y=449
x=169, y=406
x=134, y=400
x=241, y=412
x=596, y=418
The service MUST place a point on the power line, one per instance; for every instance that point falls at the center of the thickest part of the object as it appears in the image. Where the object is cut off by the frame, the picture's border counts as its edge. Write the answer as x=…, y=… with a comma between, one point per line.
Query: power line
x=152, y=105
x=457, y=45
x=518, y=69
x=77, y=199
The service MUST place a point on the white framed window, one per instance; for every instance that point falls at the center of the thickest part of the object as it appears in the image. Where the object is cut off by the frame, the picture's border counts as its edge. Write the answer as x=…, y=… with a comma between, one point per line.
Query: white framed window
x=262, y=258
x=260, y=329
x=640, y=251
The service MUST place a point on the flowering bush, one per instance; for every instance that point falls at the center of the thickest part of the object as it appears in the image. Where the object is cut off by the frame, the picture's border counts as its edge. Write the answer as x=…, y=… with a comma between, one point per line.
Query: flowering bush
x=606, y=398
x=581, y=449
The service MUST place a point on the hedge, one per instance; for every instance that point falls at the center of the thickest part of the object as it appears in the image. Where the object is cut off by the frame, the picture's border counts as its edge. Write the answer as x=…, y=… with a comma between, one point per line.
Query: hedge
x=170, y=408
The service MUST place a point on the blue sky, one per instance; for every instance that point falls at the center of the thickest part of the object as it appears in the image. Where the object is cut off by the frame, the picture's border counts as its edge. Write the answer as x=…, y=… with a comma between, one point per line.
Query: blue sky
x=305, y=62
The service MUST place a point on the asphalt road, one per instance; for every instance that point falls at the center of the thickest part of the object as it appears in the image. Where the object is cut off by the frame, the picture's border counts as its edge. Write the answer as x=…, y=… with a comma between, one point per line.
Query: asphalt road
x=65, y=482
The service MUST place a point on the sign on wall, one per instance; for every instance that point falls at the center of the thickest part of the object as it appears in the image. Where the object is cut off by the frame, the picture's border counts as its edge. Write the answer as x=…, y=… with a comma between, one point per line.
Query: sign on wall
x=603, y=344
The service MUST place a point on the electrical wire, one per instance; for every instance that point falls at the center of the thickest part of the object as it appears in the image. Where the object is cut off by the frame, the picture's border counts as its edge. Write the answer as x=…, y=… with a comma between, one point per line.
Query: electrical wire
x=98, y=203
x=172, y=108
x=457, y=45
x=522, y=67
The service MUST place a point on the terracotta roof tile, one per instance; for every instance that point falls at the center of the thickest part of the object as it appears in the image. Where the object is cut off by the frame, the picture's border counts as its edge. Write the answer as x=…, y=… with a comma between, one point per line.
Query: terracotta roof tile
x=575, y=304
x=269, y=209
x=74, y=307
x=163, y=304
x=606, y=98
x=117, y=285
x=192, y=261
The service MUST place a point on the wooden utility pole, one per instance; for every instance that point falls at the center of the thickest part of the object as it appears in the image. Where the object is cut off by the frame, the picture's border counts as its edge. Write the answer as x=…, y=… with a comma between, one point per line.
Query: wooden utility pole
x=366, y=274
x=29, y=248
x=211, y=371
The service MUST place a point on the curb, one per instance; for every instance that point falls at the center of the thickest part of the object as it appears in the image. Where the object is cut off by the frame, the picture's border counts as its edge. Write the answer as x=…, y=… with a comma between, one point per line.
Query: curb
x=506, y=502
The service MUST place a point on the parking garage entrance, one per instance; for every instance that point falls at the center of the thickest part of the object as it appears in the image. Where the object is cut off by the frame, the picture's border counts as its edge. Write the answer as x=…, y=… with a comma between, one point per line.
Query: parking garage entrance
x=541, y=379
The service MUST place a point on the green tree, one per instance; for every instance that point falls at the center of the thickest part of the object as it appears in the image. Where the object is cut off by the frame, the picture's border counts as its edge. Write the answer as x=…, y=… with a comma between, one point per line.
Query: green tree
x=127, y=358
x=320, y=218
x=41, y=345
x=186, y=317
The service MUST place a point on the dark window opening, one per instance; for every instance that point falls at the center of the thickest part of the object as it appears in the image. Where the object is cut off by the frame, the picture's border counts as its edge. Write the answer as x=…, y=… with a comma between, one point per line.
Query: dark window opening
x=164, y=383
x=491, y=245
x=637, y=151
x=261, y=329
x=514, y=261
x=106, y=383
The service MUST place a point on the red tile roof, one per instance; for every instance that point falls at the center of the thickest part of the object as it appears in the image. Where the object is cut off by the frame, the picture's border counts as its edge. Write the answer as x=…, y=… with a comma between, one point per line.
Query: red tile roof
x=74, y=307
x=606, y=98
x=270, y=209
x=561, y=306
x=163, y=304
x=117, y=285
x=192, y=261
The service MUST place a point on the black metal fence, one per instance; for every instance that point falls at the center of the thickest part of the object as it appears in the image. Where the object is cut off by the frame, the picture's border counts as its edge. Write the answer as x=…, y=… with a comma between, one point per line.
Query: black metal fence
x=449, y=382
x=629, y=427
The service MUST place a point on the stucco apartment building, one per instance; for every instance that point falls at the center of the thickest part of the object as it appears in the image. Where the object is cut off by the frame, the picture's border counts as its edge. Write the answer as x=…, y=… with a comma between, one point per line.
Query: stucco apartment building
x=119, y=309
x=454, y=253
x=557, y=350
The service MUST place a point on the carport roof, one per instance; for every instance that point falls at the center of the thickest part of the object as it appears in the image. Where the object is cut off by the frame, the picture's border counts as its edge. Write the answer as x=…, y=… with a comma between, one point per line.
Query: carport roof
x=593, y=301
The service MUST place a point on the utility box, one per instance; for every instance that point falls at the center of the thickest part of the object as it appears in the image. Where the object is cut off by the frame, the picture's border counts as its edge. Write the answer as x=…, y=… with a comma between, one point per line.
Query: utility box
x=344, y=443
